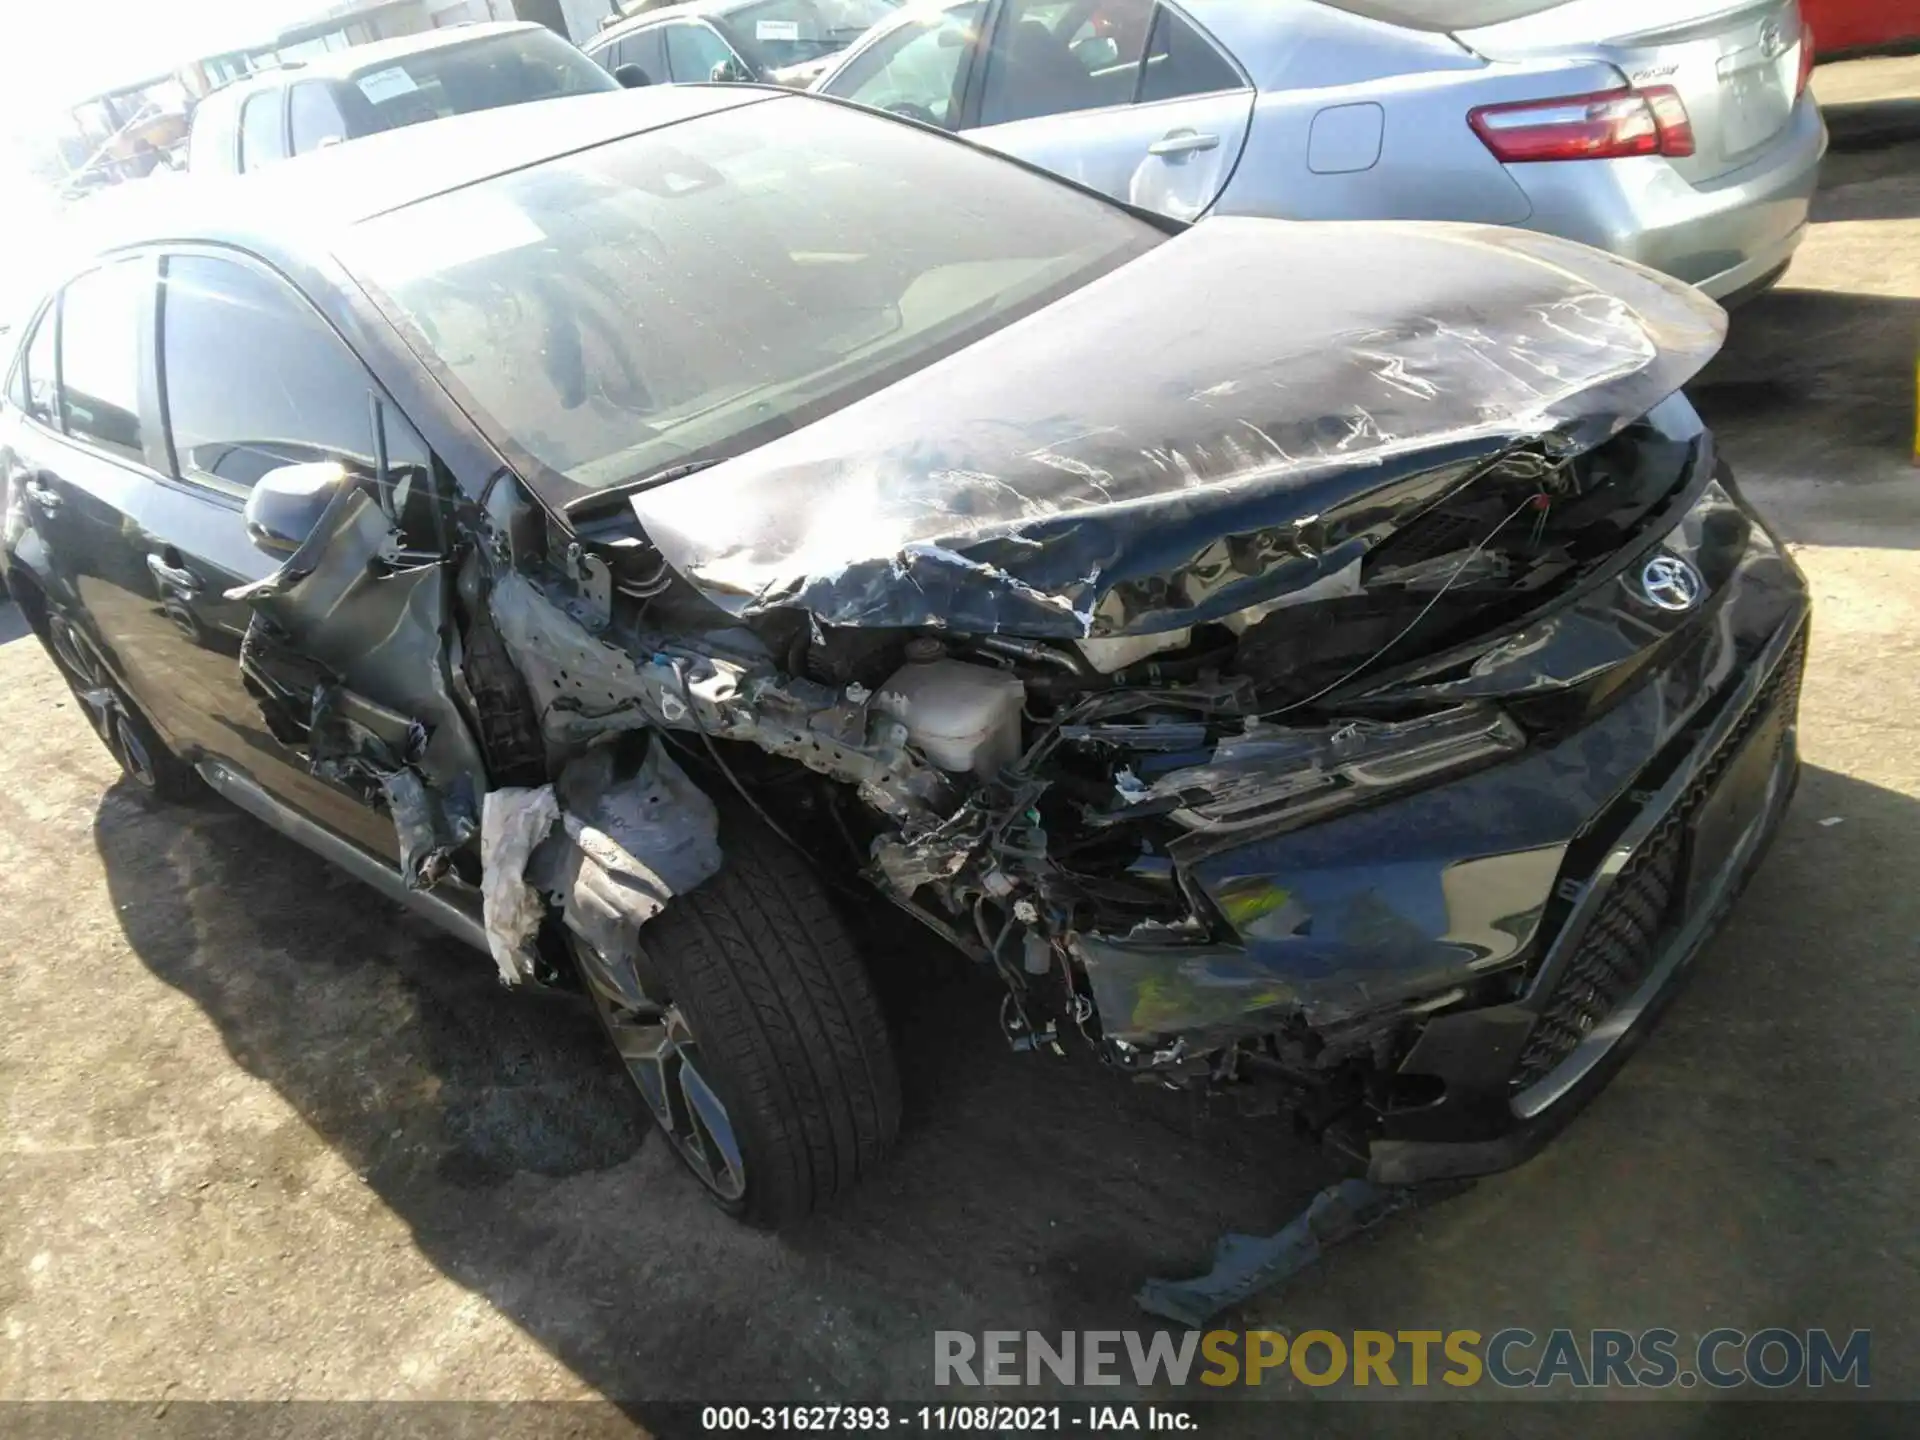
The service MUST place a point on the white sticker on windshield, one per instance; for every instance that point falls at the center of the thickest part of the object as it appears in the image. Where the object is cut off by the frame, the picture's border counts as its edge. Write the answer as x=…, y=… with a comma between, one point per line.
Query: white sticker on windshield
x=777, y=30
x=385, y=84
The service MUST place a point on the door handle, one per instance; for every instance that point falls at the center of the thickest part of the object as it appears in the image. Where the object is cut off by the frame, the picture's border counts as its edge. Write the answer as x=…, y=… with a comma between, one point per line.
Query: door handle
x=1183, y=142
x=41, y=493
x=173, y=577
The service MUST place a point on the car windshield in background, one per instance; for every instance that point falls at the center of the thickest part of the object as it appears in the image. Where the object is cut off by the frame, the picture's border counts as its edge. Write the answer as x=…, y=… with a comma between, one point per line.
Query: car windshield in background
x=479, y=75
x=1445, y=14
x=700, y=289
x=790, y=32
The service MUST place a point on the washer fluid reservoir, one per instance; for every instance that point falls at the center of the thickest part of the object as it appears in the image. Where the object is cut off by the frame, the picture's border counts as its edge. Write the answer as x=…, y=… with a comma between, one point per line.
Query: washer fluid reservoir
x=963, y=717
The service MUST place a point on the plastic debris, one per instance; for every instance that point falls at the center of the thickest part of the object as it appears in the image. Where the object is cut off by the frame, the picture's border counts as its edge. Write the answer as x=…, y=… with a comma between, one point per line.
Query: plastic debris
x=512, y=823
x=1244, y=1265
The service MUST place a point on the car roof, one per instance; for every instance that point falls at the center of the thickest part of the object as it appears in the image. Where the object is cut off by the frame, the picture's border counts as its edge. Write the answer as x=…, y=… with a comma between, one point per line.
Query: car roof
x=297, y=208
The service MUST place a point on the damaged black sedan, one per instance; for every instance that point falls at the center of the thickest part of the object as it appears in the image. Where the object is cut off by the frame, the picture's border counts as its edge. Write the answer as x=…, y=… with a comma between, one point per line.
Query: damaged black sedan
x=1326, y=664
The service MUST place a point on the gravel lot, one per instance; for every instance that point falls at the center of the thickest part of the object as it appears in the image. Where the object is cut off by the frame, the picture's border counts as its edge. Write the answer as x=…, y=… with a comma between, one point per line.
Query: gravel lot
x=266, y=1137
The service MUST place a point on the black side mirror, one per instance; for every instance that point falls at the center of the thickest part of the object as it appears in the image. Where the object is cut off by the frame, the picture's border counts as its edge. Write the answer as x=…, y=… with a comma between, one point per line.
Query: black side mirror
x=288, y=501
x=631, y=76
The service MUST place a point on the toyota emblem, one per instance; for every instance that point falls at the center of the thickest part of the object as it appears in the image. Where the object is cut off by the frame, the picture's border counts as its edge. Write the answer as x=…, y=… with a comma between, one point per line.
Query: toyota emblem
x=1773, y=41
x=1670, y=583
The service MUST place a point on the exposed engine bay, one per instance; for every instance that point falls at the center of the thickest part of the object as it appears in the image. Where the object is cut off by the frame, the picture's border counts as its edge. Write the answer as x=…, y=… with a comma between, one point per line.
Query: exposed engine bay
x=1108, y=689
x=1030, y=798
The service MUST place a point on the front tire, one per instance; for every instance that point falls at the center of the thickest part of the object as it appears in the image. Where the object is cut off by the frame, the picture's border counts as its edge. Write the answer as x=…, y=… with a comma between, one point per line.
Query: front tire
x=759, y=1003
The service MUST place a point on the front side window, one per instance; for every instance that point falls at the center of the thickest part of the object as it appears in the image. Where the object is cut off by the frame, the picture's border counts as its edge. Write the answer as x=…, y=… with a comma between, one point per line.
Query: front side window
x=254, y=379
x=484, y=74
x=700, y=289
x=38, y=380
x=260, y=130
x=696, y=52
x=313, y=117
x=915, y=70
x=1049, y=59
x=103, y=316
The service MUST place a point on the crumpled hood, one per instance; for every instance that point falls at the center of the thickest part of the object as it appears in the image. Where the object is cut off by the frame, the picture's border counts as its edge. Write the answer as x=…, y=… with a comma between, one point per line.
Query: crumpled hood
x=1236, y=415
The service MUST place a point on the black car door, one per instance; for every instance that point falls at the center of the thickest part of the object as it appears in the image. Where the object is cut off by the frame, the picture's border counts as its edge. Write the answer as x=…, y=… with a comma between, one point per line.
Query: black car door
x=253, y=379
x=249, y=378
x=87, y=457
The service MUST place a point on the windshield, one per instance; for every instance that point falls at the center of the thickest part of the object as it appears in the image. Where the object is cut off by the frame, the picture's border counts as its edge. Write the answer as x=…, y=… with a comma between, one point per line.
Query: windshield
x=790, y=32
x=478, y=75
x=699, y=289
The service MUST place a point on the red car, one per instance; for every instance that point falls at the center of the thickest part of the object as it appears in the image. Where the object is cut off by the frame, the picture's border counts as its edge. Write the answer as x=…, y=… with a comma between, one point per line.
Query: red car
x=1849, y=26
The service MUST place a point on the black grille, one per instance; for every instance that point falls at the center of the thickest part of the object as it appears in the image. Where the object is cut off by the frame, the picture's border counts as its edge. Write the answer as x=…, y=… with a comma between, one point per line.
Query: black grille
x=1620, y=944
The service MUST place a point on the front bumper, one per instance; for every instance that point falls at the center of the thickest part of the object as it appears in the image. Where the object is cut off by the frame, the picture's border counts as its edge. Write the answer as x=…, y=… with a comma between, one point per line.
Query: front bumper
x=1514, y=1074
x=1501, y=940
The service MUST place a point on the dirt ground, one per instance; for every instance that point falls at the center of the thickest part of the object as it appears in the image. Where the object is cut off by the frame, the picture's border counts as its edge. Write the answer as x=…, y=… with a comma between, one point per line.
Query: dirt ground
x=267, y=1137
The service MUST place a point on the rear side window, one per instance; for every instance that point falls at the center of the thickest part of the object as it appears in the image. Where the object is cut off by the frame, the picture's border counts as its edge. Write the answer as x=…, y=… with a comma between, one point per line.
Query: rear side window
x=1050, y=59
x=1181, y=61
x=1444, y=15
x=313, y=117
x=254, y=378
x=103, y=316
x=260, y=130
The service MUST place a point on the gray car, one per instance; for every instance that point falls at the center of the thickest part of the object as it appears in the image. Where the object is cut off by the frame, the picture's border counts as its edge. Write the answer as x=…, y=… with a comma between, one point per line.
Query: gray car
x=1679, y=133
x=775, y=42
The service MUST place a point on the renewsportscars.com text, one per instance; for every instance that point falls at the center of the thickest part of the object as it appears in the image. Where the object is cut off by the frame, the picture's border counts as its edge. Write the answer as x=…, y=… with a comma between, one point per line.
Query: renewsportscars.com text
x=1513, y=1358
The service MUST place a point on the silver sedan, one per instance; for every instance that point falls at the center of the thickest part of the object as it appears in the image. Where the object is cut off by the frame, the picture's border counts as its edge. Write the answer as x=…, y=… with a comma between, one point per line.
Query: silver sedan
x=1683, y=137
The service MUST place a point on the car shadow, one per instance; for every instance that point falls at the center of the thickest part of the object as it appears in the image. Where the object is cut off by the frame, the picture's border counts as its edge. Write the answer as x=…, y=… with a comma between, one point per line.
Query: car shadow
x=1026, y=1188
x=1868, y=125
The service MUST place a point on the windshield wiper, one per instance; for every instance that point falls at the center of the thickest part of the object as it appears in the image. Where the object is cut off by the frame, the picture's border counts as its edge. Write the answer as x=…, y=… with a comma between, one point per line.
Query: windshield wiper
x=595, y=500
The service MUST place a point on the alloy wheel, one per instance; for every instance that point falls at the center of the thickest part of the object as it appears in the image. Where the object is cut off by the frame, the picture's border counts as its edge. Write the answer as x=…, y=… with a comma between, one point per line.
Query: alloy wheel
x=87, y=675
x=662, y=1054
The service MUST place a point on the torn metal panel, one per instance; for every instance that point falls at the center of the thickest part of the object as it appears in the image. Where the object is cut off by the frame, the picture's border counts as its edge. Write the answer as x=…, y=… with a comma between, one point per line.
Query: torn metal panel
x=931, y=854
x=380, y=630
x=585, y=687
x=637, y=840
x=354, y=742
x=513, y=822
x=1122, y=462
x=1270, y=775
